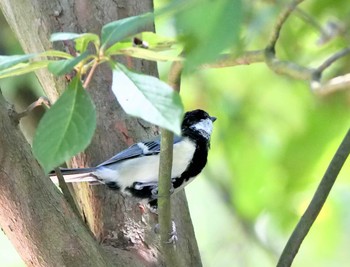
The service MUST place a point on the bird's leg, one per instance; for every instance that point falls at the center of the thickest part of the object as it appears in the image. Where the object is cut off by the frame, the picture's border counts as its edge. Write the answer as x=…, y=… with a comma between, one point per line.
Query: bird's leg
x=173, y=234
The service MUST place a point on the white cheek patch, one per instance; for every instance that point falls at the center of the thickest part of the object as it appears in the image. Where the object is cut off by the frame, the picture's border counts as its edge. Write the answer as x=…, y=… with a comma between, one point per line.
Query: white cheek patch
x=205, y=126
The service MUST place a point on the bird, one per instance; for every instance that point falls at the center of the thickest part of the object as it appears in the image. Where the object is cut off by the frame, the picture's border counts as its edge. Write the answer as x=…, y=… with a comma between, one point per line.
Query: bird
x=134, y=171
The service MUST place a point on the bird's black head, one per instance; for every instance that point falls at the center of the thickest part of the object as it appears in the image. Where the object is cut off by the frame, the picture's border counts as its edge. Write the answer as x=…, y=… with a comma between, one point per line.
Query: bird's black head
x=197, y=122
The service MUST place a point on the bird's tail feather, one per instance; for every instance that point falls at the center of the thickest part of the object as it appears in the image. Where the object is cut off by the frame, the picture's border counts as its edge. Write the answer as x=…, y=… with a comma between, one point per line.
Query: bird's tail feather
x=77, y=175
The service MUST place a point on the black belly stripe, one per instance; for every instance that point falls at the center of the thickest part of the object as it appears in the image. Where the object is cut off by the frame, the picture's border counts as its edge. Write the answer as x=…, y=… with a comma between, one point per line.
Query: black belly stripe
x=197, y=164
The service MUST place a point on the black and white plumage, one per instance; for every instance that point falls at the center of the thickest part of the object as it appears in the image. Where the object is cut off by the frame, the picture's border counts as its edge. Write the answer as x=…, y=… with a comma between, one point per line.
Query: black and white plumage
x=134, y=171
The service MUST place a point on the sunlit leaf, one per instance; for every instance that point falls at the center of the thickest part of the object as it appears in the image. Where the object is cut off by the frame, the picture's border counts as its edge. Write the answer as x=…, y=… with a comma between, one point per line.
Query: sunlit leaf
x=23, y=68
x=115, y=49
x=148, y=54
x=118, y=30
x=148, y=98
x=61, y=67
x=66, y=128
x=83, y=41
x=9, y=61
x=156, y=41
x=207, y=28
x=55, y=53
x=62, y=36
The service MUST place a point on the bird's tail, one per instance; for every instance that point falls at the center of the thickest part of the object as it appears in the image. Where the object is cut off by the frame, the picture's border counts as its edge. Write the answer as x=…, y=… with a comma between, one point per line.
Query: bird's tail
x=77, y=175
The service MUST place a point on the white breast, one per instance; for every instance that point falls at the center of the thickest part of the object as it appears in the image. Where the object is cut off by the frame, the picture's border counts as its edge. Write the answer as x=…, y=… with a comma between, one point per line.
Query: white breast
x=145, y=169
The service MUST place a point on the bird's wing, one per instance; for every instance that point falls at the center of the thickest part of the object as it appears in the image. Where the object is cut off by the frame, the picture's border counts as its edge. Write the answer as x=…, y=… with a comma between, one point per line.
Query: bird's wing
x=138, y=150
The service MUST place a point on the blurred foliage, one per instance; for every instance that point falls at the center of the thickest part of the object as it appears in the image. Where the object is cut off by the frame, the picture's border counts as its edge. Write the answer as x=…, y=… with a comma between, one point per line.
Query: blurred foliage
x=272, y=142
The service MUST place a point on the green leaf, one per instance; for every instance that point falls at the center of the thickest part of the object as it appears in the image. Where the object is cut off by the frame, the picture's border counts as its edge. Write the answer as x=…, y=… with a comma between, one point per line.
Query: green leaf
x=55, y=53
x=66, y=128
x=148, y=98
x=115, y=49
x=154, y=41
x=148, y=54
x=118, y=30
x=83, y=41
x=63, y=36
x=9, y=61
x=207, y=28
x=23, y=68
x=61, y=67
x=157, y=42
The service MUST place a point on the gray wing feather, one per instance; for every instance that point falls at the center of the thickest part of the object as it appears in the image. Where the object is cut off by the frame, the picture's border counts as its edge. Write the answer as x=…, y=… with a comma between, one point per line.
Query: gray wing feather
x=153, y=147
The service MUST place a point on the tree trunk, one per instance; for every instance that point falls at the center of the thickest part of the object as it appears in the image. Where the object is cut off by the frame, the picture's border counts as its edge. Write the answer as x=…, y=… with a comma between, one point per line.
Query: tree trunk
x=115, y=221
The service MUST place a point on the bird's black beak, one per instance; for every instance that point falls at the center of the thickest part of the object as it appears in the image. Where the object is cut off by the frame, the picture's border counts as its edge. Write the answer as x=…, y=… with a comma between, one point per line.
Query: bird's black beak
x=213, y=119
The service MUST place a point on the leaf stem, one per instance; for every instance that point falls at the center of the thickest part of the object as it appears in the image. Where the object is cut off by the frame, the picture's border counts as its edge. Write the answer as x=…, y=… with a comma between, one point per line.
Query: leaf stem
x=91, y=72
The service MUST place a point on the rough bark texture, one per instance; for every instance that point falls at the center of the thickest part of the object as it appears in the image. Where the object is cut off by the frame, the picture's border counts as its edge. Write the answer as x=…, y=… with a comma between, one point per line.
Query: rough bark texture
x=115, y=221
x=33, y=213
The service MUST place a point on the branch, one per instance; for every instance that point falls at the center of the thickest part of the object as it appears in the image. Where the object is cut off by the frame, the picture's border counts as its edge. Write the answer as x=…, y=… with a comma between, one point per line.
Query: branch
x=316, y=203
x=66, y=193
x=331, y=86
x=40, y=102
x=33, y=214
x=289, y=68
x=329, y=61
x=228, y=60
x=280, y=22
x=164, y=184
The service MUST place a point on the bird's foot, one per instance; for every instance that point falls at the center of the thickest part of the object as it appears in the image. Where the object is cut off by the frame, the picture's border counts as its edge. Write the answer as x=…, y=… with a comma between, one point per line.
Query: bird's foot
x=173, y=234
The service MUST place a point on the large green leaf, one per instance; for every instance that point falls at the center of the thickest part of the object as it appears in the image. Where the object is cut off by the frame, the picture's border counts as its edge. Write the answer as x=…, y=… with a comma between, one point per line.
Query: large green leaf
x=207, y=28
x=10, y=61
x=61, y=67
x=118, y=30
x=66, y=129
x=148, y=98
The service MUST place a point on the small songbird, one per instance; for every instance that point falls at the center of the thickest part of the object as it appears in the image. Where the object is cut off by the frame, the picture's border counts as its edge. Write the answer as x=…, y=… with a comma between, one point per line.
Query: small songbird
x=134, y=171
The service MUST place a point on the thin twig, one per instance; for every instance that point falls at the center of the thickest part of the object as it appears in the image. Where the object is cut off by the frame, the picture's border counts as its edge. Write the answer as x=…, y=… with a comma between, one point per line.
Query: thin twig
x=310, y=20
x=66, y=193
x=331, y=86
x=316, y=204
x=43, y=100
x=227, y=60
x=329, y=61
x=280, y=22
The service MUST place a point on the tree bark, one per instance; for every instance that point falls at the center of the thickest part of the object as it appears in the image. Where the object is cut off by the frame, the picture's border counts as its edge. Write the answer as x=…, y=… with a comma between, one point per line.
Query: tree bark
x=115, y=221
x=33, y=213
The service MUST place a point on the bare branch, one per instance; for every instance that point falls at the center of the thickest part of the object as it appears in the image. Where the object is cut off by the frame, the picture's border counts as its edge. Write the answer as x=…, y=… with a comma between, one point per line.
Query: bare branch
x=329, y=61
x=164, y=184
x=310, y=20
x=280, y=22
x=331, y=86
x=228, y=60
x=316, y=204
x=287, y=68
x=42, y=101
